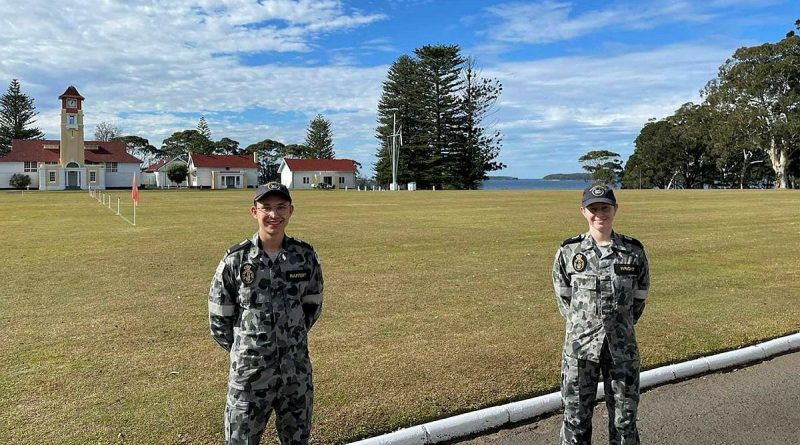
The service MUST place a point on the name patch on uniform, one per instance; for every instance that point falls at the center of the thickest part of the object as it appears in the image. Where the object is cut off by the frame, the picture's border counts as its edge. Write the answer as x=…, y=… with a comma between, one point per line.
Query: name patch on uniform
x=297, y=275
x=626, y=269
x=248, y=273
x=579, y=262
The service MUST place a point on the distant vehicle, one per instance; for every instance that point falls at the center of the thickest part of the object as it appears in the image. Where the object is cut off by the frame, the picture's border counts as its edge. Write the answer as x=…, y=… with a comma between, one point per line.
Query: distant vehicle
x=322, y=186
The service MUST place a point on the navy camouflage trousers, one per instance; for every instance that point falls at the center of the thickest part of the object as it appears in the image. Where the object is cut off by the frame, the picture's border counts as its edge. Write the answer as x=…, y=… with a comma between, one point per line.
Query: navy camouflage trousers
x=247, y=412
x=579, y=379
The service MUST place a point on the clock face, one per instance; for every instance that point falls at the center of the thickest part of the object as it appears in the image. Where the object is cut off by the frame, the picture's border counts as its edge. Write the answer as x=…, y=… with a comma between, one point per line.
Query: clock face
x=72, y=103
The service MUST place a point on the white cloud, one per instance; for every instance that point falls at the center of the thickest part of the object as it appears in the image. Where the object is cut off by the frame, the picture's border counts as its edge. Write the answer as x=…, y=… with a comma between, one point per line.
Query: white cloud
x=163, y=64
x=559, y=108
x=550, y=21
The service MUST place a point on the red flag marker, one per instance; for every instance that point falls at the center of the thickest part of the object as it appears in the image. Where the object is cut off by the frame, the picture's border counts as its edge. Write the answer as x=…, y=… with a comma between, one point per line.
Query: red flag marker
x=134, y=190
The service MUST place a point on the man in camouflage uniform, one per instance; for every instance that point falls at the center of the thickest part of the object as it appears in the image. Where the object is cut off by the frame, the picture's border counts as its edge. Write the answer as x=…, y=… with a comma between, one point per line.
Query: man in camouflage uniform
x=601, y=280
x=265, y=296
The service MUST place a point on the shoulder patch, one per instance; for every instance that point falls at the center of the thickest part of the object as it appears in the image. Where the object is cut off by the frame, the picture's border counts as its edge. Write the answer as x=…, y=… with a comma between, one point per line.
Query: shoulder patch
x=632, y=240
x=237, y=247
x=573, y=240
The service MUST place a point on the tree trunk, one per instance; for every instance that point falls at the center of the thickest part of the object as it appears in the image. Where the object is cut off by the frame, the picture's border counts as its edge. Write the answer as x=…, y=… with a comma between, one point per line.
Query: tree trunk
x=779, y=157
x=746, y=155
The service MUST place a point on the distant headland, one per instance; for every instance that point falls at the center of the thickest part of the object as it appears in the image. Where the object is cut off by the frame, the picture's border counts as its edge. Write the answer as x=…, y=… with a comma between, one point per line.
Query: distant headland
x=505, y=178
x=569, y=176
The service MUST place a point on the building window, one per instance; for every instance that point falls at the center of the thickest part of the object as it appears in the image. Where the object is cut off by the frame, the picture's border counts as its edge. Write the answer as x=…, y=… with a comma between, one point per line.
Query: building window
x=306, y=180
x=341, y=179
x=52, y=177
x=30, y=167
x=92, y=177
x=111, y=166
x=71, y=121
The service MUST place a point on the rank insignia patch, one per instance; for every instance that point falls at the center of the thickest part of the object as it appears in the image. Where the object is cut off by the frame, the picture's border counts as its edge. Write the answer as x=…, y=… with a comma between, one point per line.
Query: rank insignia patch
x=579, y=262
x=248, y=274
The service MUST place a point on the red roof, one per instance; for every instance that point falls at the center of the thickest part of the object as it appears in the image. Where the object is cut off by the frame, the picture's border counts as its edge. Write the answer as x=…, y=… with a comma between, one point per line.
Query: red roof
x=71, y=92
x=321, y=165
x=222, y=161
x=152, y=168
x=32, y=150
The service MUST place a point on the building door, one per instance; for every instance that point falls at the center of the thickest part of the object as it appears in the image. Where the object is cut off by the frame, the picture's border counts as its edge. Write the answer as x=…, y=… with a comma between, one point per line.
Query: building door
x=327, y=180
x=72, y=179
x=230, y=182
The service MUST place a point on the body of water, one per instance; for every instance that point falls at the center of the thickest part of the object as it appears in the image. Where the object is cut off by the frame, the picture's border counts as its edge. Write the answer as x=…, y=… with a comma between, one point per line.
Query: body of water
x=535, y=184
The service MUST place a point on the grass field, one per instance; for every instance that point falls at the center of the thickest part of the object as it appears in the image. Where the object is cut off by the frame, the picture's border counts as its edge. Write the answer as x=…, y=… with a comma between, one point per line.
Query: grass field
x=435, y=302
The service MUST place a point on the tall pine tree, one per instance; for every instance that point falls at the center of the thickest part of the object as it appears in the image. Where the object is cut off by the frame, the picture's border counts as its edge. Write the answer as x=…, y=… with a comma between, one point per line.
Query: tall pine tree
x=319, y=139
x=17, y=115
x=400, y=108
x=478, y=148
x=441, y=102
x=440, y=66
x=202, y=128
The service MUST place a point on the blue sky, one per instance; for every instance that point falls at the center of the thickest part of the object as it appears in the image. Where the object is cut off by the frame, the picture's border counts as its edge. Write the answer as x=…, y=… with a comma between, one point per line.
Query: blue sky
x=577, y=76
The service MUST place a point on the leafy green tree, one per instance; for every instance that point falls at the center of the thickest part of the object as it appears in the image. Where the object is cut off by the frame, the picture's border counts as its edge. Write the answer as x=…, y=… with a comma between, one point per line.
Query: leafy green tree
x=319, y=139
x=106, y=131
x=177, y=172
x=17, y=115
x=139, y=147
x=604, y=166
x=761, y=86
x=19, y=181
x=295, y=151
x=268, y=156
x=202, y=128
x=226, y=146
x=183, y=142
x=736, y=149
x=691, y=136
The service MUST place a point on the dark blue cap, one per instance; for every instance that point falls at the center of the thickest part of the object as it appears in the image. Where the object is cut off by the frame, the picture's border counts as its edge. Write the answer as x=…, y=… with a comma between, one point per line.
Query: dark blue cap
x=271, y=187
x=598, y=193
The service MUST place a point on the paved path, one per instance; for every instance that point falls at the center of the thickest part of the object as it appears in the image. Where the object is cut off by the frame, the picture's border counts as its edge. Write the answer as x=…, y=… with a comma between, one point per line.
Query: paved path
x=756, y=405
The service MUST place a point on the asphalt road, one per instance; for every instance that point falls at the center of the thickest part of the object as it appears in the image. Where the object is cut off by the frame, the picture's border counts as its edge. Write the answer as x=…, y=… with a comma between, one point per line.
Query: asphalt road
x=756, y=405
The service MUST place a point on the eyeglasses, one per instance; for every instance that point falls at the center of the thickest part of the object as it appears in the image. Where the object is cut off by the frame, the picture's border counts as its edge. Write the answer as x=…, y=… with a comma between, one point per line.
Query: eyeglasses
x=606, y=208
x=281, y=209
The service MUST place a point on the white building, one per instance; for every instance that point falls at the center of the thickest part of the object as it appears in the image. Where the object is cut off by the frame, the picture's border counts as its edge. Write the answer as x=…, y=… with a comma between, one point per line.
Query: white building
x=155, y=175
x=222, y=171
x=308, y=173
x=71, y=162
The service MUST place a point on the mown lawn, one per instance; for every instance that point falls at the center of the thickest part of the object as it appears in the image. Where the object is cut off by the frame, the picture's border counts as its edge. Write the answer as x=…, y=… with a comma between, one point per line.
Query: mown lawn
x=436, y=302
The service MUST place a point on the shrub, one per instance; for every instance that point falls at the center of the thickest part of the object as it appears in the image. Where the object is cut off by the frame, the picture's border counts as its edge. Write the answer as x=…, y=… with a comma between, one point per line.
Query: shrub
x=19, y=181
x=177, y=173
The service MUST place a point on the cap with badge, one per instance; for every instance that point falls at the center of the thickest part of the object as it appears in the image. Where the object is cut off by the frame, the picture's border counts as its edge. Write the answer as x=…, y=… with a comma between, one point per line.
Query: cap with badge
x=598, y=193
x=271, y=187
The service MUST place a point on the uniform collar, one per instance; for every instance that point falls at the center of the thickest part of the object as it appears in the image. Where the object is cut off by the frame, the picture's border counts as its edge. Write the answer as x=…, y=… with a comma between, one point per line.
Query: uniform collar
x=255, y=248
x=617, y=242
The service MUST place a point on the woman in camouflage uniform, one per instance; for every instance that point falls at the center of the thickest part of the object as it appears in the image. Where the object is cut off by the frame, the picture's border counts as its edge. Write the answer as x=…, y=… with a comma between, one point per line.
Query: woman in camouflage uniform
x=601, y=280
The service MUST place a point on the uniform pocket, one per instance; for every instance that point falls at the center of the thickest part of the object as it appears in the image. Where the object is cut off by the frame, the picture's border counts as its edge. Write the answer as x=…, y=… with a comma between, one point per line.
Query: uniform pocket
x=584, y=296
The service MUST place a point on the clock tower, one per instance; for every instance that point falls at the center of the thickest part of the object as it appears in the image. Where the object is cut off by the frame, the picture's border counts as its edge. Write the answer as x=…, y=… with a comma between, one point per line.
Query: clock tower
x=71, y=148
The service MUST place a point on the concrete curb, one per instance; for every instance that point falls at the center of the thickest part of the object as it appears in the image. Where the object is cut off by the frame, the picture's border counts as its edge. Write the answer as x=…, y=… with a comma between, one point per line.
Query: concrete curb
x=497, y=416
